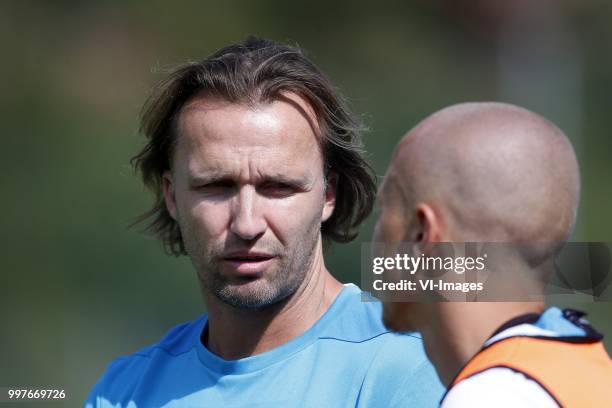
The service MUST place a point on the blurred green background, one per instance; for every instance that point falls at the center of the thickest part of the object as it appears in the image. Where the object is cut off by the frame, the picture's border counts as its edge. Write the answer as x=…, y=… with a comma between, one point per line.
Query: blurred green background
x=80, y=289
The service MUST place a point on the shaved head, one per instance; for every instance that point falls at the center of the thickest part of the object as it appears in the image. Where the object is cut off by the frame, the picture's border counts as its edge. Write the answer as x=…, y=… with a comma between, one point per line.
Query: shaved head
x=491, y=172
x=478, y=172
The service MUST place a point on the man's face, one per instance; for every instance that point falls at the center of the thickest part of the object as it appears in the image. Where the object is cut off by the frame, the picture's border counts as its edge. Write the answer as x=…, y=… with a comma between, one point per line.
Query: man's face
x=247, y=188
x=391, y=225
x=390, y=230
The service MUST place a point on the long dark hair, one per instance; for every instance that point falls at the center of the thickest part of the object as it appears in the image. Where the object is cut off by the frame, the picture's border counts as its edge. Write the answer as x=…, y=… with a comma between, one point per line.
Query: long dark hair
x=257, y=70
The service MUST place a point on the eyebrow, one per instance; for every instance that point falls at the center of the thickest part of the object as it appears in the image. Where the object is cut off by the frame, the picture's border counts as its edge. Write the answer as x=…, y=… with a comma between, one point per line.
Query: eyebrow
x=214, y=176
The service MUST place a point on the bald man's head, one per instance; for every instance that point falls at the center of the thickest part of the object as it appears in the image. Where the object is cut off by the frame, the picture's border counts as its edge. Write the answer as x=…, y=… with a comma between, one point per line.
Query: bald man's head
x=486, y=172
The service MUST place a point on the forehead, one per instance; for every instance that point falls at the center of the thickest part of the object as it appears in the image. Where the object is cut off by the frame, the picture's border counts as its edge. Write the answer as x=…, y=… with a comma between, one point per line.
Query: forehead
x=212, y=132
x=390, y=191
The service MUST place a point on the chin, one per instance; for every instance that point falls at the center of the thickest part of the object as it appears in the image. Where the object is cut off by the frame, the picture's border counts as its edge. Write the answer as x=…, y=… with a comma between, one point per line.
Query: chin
x=257, y=294
x=396, y=317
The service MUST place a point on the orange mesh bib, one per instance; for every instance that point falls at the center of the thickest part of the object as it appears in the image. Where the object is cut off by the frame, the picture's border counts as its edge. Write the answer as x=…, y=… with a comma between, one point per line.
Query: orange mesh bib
x=576, y=374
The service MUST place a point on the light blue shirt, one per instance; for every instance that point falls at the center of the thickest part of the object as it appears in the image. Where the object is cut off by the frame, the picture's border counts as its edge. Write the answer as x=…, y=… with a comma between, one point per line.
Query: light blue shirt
x=347, y=358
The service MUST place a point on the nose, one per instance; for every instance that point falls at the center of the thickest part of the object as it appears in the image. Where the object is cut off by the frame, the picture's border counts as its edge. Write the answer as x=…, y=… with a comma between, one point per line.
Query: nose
x=247, y=221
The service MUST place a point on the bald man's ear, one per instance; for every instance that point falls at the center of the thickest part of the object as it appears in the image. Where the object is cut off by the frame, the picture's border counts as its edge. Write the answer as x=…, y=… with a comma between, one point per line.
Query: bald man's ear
x=429, y=225
x=169, y=197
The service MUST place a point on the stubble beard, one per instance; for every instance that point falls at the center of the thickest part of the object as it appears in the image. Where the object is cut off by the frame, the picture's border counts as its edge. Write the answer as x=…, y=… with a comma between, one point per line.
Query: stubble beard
x=259, y=293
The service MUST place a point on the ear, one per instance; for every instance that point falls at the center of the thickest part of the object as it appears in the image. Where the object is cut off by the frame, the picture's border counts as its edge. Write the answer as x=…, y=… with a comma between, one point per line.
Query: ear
x=169, y=197
x=429, y=225
x=330, y=196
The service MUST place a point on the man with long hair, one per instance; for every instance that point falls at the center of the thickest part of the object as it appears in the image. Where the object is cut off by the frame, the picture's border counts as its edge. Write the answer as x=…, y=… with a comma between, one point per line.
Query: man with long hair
x=256, y=161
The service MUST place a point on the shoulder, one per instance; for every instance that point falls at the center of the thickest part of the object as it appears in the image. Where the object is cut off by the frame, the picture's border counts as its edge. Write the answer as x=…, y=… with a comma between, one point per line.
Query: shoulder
x=498, y=386
x=125, y=371
x=178, y=340
x=399, y=371
x=354, y=317
x=359, y=320
x=400, y=374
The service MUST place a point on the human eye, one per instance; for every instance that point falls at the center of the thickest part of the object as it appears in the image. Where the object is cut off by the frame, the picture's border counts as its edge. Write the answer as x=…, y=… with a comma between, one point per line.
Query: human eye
x=215, y=187
x=277, y=189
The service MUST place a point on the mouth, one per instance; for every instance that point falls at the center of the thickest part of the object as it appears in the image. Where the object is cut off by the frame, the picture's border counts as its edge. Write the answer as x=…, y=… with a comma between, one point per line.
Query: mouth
x=248, y=263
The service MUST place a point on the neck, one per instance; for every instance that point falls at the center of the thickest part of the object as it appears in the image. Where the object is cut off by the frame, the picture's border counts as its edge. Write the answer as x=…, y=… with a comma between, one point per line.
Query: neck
x=235, y=333
x=459, y=330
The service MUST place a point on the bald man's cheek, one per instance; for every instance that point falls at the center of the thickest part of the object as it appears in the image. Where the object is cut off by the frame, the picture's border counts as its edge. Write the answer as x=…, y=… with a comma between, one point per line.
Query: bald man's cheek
x=396, y=317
